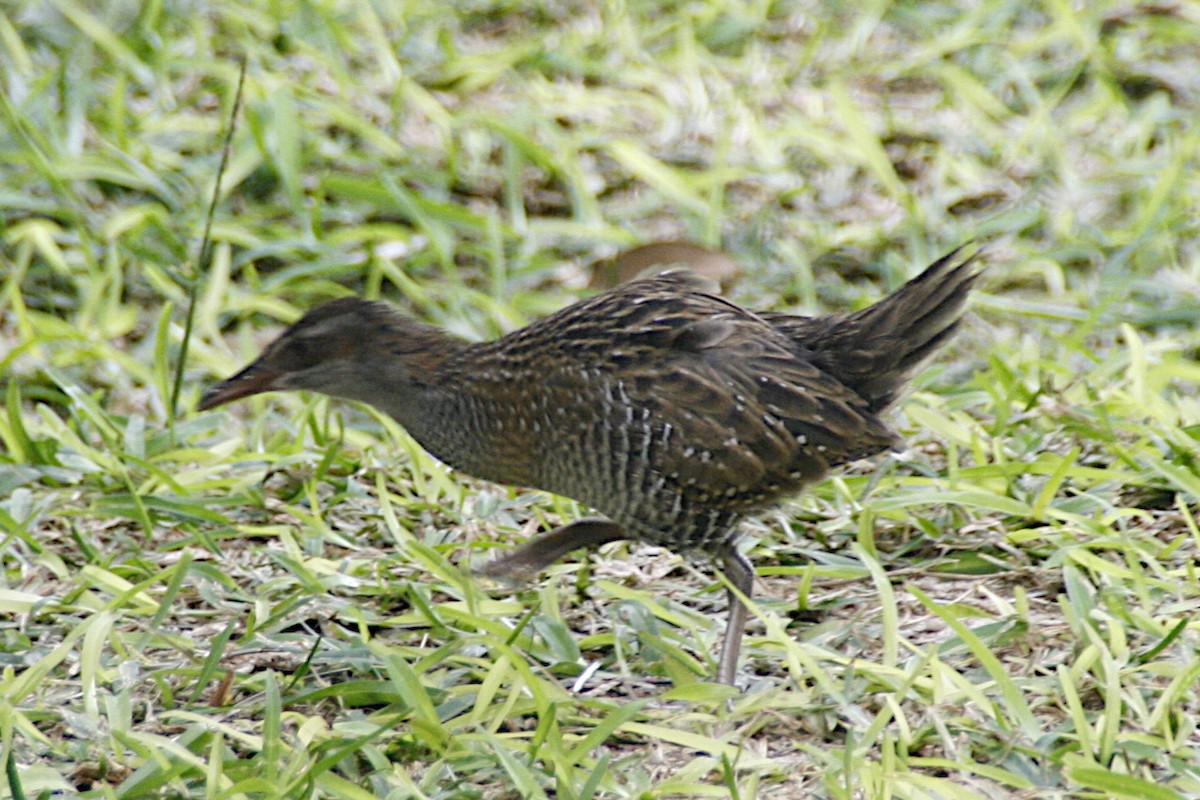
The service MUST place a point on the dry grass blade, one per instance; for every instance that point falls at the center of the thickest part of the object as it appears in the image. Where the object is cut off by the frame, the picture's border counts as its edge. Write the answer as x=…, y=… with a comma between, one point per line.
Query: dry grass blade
x=204, y=257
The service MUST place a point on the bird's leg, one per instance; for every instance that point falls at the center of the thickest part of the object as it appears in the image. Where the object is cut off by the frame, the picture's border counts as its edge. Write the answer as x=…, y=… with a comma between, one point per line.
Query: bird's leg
x=549, y=547
x=740, y=573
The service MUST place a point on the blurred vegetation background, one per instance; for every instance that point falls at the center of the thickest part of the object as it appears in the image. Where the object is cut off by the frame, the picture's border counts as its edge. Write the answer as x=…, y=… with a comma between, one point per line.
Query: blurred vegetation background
x=275, y=600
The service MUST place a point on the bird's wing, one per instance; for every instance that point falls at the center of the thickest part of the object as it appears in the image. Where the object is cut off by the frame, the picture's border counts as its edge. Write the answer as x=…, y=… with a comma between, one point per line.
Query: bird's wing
x=734, y=403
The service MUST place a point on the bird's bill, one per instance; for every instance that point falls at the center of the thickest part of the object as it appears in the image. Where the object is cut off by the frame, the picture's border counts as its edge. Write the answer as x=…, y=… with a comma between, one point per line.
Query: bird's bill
x=254, y=379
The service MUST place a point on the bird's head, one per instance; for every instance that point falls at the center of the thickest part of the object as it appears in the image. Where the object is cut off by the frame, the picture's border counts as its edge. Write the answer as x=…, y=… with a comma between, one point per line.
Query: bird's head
x=348, y=347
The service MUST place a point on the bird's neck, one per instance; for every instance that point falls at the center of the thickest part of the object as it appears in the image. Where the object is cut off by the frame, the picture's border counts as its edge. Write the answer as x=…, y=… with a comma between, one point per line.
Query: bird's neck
x=404, y=369
x=430, y=382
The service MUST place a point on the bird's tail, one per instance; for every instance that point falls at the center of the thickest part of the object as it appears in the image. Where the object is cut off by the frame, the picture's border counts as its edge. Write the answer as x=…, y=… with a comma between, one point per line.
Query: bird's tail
x=876, y=351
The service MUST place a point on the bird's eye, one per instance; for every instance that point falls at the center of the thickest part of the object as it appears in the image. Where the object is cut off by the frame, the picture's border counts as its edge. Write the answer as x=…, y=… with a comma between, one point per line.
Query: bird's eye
x=292, y=351
x=299, y=349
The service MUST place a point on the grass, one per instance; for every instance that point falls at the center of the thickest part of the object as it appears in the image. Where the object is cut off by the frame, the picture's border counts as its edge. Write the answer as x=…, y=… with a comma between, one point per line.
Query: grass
x=276, y=599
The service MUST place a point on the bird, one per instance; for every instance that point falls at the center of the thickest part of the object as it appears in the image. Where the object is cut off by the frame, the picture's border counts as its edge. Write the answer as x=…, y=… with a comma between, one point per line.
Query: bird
x=660, y=256
x=670, y=410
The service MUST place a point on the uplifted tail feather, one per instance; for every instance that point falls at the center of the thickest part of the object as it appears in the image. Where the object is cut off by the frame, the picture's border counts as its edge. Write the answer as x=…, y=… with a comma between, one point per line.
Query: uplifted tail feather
x=875, y=351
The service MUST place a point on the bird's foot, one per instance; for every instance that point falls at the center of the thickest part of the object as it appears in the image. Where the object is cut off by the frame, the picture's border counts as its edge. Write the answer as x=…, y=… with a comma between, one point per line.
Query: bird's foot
x=527, y=561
